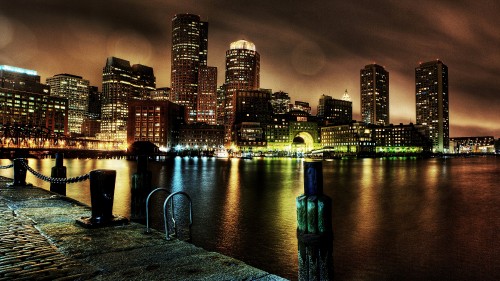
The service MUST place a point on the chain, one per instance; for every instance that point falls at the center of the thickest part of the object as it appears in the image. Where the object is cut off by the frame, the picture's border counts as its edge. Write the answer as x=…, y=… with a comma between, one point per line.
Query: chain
x=7, y=166
x=55, y=180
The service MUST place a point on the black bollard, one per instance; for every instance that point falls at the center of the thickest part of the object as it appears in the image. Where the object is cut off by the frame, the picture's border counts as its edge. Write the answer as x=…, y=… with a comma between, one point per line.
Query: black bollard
x=102, y=188
x=58, y=171
x=141, y=187
x=314, y=227
x=19, y=173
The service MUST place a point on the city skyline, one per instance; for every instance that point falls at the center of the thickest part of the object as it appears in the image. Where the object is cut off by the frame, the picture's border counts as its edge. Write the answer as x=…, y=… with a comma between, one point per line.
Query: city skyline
x=305, y=51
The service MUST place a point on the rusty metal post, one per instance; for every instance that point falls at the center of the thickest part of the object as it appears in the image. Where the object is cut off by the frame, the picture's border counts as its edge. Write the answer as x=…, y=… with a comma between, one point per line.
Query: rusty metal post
x=102, y=189
x=58, y=171
x=314, y=226
x=141, y=187
x=19, y=173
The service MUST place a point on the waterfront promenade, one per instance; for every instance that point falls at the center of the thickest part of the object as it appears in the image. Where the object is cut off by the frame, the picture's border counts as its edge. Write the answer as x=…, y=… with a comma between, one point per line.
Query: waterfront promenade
x=39, y=240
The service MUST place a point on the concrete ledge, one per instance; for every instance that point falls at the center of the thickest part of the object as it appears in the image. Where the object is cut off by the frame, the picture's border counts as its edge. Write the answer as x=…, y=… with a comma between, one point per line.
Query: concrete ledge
x=113, y=253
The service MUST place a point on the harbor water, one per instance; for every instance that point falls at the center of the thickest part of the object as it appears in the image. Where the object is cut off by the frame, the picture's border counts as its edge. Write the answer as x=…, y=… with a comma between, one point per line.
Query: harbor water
x=393, y=218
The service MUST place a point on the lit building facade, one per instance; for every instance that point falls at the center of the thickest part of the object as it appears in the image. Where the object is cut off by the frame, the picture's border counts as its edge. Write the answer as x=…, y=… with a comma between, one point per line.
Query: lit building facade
x=374, y=88
x=207, y=95
x=76, y=90
x=121, y=83
x=354, y=138
x=16, y=78
x=481, y=144
x=189, y=52
x=333, y=111
x=155, y=121
x=432, y=108
x=359, y=138
x=292, y=134
x=200, y=137
x=143, y=81
x=242, y=73
x=280, y=102
x=164, y=94
x=253, y=111
x=302, y=106
x=25, y=101
x=402, y=138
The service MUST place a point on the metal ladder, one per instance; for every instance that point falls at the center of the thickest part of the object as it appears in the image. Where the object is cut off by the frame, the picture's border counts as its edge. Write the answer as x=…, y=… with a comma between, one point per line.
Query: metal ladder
x=165, y=204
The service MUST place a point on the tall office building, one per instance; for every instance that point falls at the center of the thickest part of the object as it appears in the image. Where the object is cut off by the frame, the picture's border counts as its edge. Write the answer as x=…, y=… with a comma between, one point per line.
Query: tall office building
x=189, y=52
x=207, y=95
x=144, y=81
x=121, y=83
x=242, y=73
x=431, y=90
x=76, y=90
x=374, y=94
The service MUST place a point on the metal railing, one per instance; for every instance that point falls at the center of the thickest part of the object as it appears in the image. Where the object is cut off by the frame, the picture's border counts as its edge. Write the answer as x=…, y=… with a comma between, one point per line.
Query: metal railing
x=170, y=200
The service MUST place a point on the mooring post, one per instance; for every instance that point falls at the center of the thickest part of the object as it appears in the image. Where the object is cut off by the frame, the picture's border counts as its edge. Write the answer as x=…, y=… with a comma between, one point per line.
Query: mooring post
x=58, y=171
x=19, y=173
x=314, y=226
x=102, y=189
x=141, y=187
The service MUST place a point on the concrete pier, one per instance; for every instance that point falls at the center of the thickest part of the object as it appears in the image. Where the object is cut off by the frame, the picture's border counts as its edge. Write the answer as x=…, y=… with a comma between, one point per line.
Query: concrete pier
x=39, y=240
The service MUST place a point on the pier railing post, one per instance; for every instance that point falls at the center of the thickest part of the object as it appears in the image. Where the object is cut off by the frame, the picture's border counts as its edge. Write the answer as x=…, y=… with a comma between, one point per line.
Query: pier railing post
x=141, y=187
x=19, y=173
x=102, y=189
x=58, y=171
x=314, y=226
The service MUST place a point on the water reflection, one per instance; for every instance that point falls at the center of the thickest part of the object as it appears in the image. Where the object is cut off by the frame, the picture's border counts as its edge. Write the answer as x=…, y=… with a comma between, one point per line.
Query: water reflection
x=231, y=207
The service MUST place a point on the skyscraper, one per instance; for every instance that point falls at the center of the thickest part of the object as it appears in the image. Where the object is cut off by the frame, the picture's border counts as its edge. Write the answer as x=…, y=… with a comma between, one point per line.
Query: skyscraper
x=76, y=90
x=121, y=82
x=242, y=73
x=189, y=52
x=207, y=95
x=374, y=94
x=431, y=90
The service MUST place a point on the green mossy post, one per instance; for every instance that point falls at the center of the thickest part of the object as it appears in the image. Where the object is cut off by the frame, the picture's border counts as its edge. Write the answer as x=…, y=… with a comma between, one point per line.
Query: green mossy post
x=314, y=227
x=58, y=171
x=141, y=187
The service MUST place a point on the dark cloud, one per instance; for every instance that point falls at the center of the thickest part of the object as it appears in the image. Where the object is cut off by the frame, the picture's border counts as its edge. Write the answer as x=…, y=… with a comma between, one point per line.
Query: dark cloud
x=306, y=49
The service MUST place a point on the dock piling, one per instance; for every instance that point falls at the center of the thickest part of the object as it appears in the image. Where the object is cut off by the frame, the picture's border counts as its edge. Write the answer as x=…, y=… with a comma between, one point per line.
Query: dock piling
x=314, y=226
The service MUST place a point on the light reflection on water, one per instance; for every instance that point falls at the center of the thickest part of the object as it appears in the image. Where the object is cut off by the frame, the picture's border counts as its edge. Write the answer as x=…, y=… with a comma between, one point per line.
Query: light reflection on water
x=400, y=219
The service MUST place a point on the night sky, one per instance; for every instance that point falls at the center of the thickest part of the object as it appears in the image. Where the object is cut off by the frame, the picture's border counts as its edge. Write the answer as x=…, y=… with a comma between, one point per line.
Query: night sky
x=307, y=48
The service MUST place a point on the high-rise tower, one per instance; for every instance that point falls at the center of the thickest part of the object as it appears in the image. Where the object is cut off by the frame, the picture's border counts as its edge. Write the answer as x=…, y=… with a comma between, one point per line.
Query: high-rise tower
x=189, y=52
x=121, y=82
x=242, y=73
x=374, y=94
x=207, y=95
x=431, y=90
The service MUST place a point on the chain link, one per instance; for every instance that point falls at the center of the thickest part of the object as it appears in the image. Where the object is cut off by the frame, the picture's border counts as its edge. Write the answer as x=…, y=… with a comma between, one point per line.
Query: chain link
x=7, y=166
x=55, y=180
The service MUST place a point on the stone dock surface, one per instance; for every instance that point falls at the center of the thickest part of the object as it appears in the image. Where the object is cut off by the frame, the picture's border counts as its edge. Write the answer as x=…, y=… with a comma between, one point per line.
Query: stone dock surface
x=39, y=240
